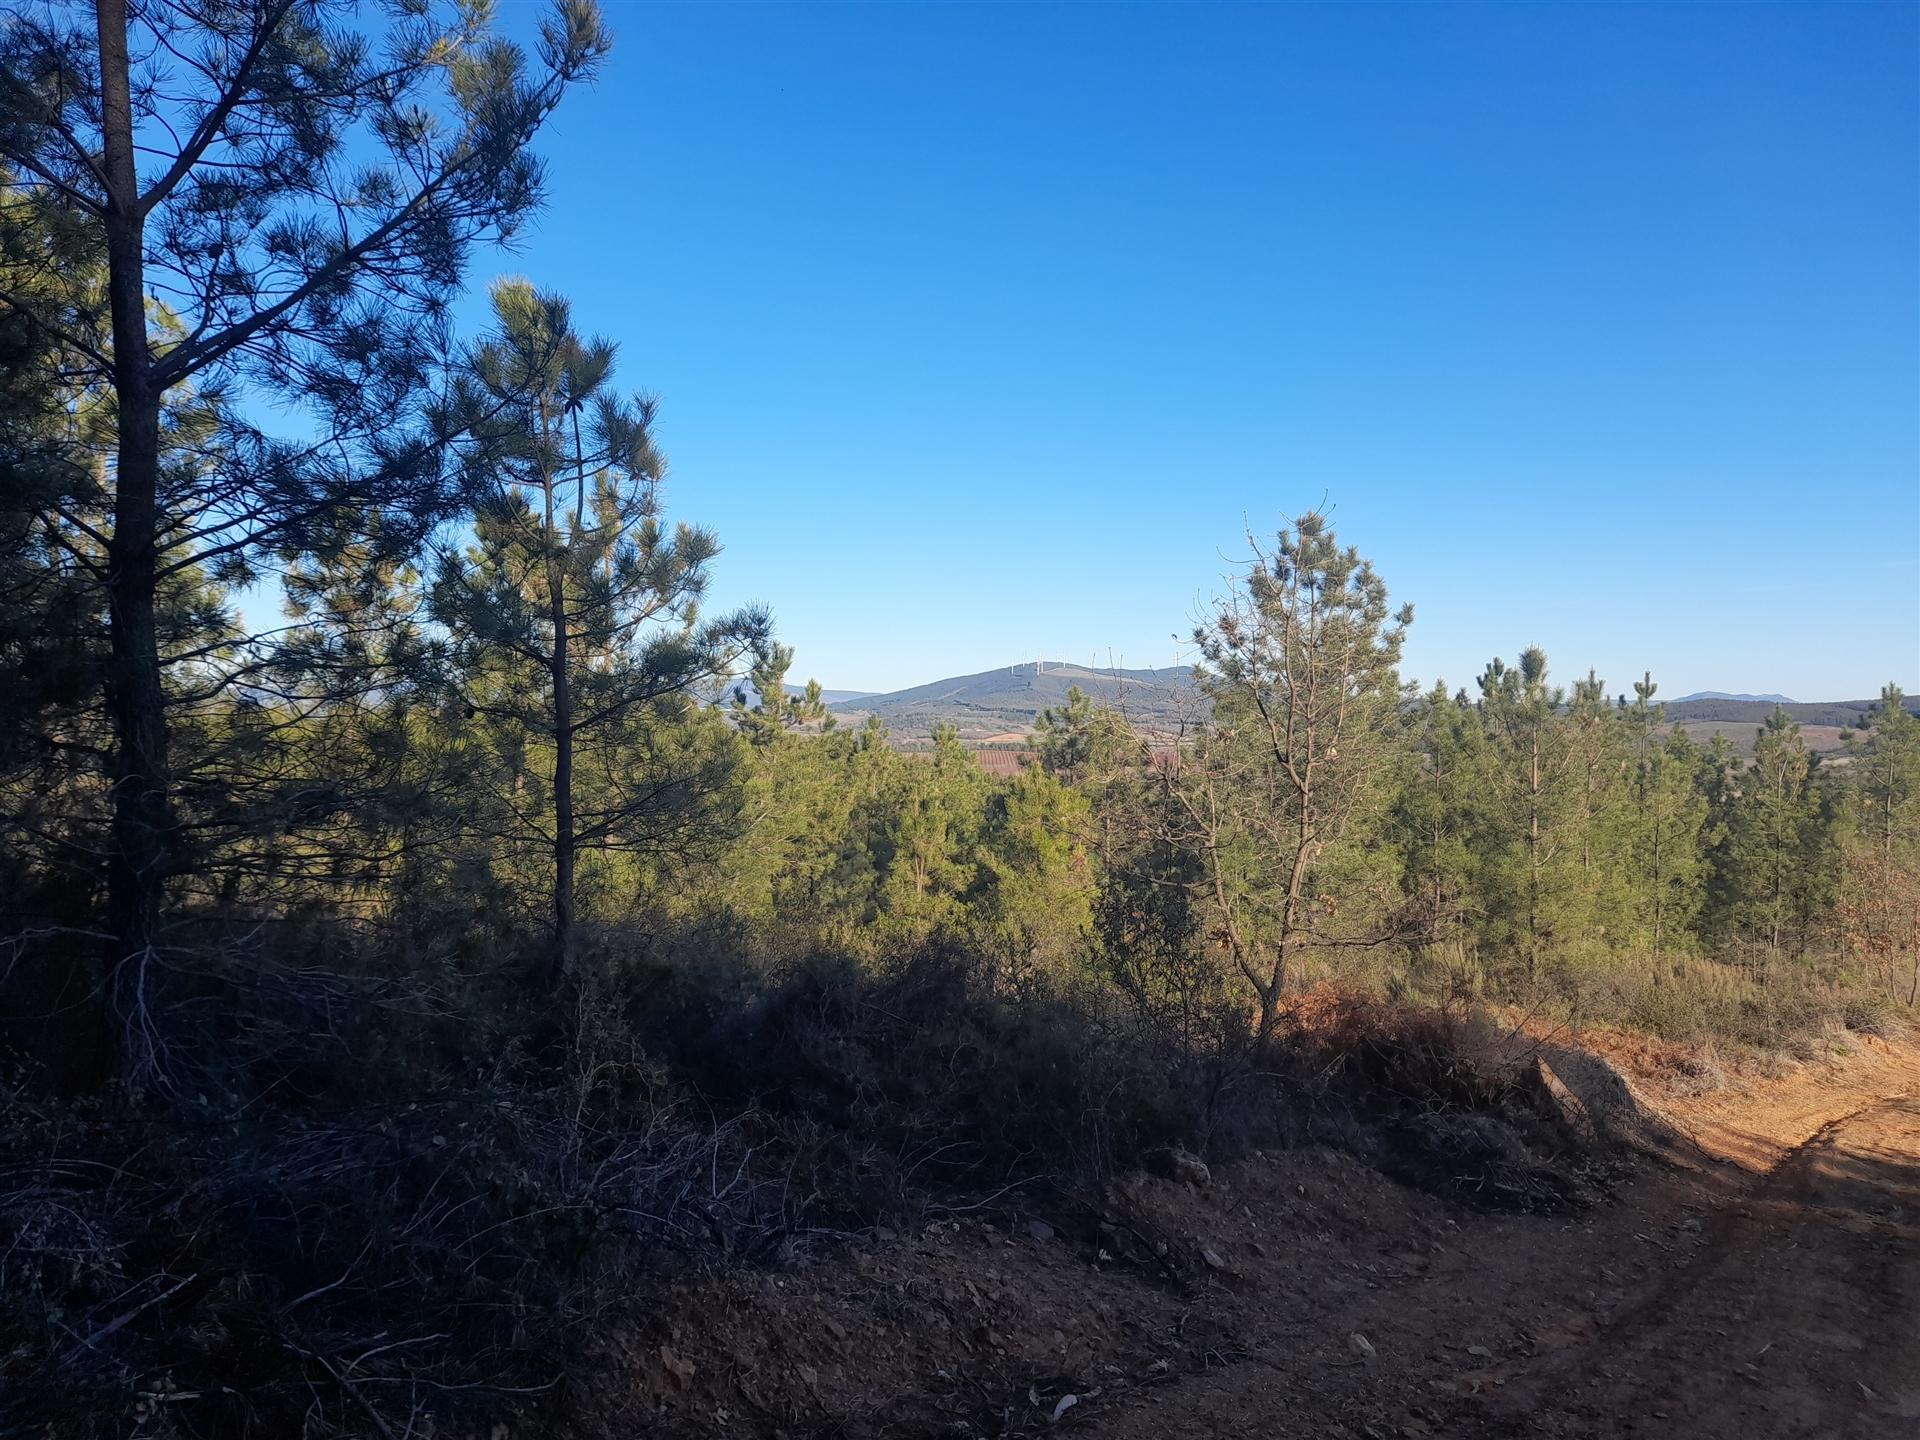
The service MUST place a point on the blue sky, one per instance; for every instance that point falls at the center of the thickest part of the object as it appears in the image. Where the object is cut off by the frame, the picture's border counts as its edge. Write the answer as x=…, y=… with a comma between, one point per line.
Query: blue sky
x=982, y=332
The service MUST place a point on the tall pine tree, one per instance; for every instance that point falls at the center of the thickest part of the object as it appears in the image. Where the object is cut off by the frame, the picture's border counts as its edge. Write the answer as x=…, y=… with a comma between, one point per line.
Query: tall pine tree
x=1879, y=891
x=1541, y=836
x=575, y=610
x=283, y=204
x=1667, y=816
x=1769, y=861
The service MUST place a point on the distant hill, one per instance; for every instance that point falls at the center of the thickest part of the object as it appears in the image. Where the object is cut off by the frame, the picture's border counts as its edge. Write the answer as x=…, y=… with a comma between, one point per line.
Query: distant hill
x=832, y=697
x=744, y=687
x=990, y=706
x=1723, y=695
x=995, y=701
x=1748, y=710
x=1740, y=717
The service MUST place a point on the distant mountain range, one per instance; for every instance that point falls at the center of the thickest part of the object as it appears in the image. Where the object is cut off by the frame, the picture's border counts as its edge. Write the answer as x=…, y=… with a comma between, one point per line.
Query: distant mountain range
x=1012, y=698
x=1747, y=710
x=743, y=687
x=832, y=697
x=1004, y=702
x=1723, y=695
x=1739, y=719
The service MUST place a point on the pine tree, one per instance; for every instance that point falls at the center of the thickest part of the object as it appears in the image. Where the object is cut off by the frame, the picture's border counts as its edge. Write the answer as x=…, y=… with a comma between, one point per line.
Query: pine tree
x=202, y=149
x=1667, y=820
x=365, y=774
x=1769, y=859
x=774, y=711
x=1150, y=906
x=1879, y=889
x=1885, y=754
x=1597, y=753
x=928, y=847
x=1446, y=826
x=1521, y=712
x=53, y=439
x=1081, y=743
x=1300, y=666
x=1033, y=903
x=577, y=615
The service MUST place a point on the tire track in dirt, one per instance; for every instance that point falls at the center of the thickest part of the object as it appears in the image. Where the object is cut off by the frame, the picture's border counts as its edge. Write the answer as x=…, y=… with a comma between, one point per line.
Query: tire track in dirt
x=1762, y=1283
x=1755, y=1277
x=1723, y=1236
x=1800, y=1315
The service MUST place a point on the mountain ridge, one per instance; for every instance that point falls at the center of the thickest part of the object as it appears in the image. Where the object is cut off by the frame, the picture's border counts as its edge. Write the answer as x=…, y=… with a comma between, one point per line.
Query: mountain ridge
x=1002, y=698
x=1005, y=699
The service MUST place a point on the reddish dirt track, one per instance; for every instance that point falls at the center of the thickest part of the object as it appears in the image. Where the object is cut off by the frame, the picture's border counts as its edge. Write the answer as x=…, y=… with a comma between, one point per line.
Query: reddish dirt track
x=1758, y=1280
x=1767, y=1288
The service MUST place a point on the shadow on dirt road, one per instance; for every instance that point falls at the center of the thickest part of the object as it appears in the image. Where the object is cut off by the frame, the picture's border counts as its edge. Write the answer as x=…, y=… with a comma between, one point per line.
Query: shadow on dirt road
x=1754, y=1274
x=1753, y=1288
x=1800, y=1315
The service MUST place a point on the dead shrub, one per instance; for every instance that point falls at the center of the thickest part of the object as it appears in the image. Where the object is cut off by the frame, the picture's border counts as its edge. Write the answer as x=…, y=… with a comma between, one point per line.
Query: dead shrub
x=1395, y=1055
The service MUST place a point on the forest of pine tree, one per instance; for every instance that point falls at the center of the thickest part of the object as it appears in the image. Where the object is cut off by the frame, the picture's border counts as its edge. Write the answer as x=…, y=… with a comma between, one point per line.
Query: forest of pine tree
x=498, y=858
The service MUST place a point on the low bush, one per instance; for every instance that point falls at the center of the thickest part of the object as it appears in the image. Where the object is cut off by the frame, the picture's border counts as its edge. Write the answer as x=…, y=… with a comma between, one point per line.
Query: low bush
x=1753, y=1003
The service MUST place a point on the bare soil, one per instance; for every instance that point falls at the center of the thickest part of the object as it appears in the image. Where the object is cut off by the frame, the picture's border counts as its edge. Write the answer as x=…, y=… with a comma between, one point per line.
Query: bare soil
x=1752, y=1272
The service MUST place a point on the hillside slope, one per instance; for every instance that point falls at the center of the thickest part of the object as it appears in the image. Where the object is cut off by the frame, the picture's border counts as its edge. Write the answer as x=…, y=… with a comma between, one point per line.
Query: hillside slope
x=992, y=702
x=1755, y=712
x=998, y=699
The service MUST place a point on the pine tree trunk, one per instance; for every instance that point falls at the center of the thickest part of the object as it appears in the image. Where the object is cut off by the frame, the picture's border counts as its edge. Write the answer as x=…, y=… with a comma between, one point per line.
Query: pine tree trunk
x=1913, y=939
x=137, y=858
x=1778, y=877
x=564, y=843
x=1268, y=1013
x=1296, y=888
x=1533, y=855
x=1659, y=889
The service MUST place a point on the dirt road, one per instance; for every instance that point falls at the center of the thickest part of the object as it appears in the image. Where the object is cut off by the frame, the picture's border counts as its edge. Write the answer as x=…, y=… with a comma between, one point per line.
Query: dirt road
x=1799, y=1315
x=1770, y=1289
x=1759, y=1282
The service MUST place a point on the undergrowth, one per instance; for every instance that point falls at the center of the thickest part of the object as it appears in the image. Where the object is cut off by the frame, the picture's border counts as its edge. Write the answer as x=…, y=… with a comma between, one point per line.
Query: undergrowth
x=381, y=1204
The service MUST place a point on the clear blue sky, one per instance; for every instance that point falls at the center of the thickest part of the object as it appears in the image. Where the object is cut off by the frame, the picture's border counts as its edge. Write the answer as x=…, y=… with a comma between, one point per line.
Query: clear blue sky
x=983, y=331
